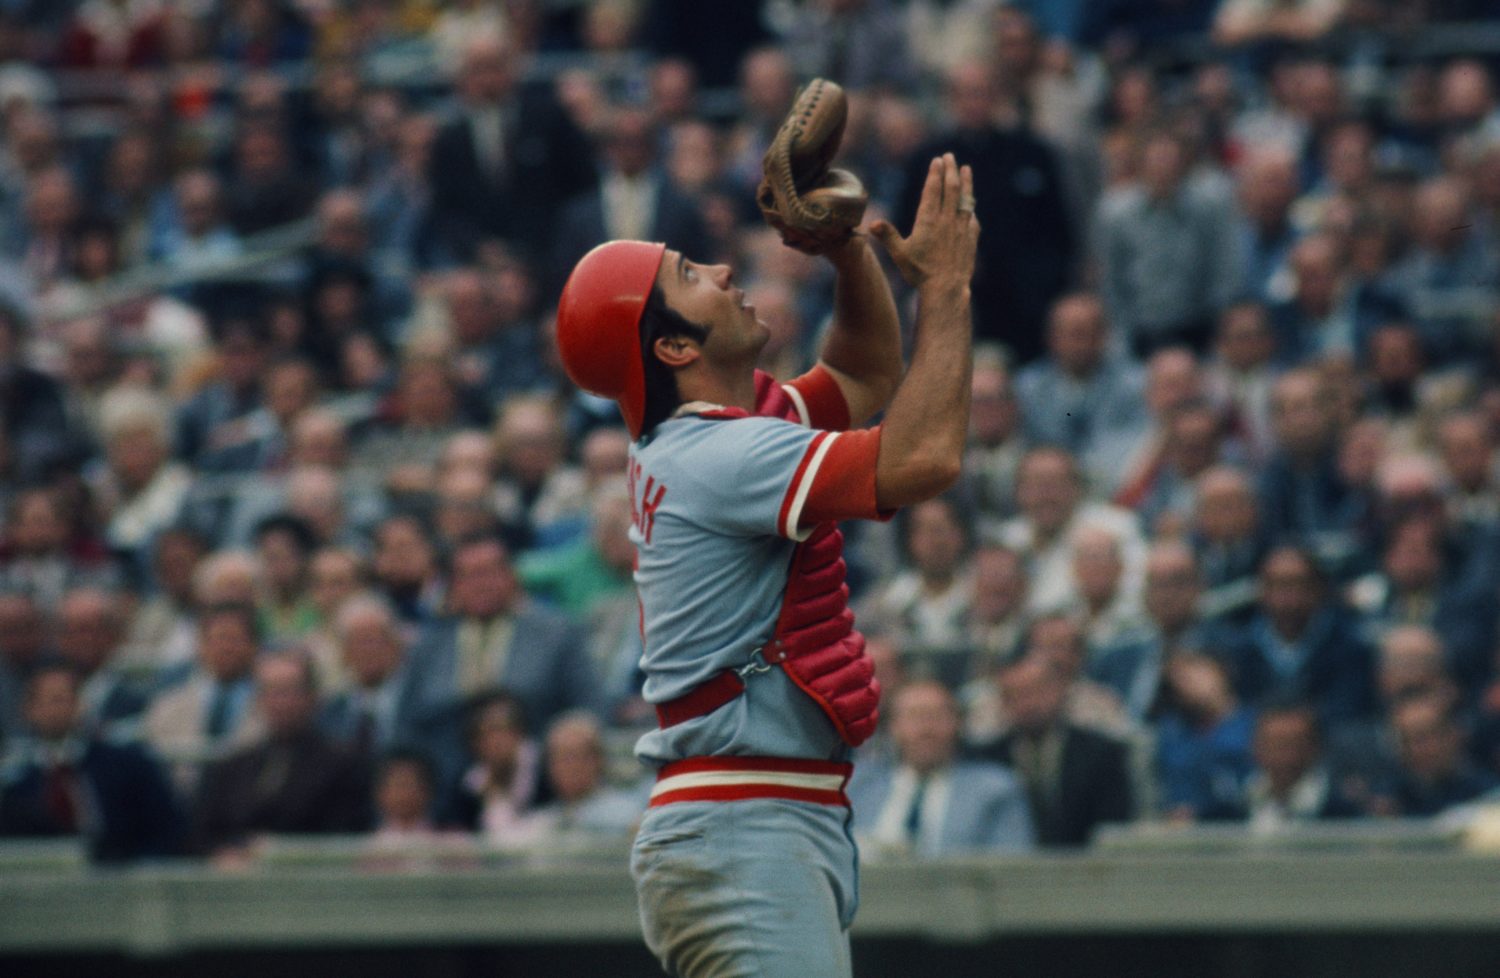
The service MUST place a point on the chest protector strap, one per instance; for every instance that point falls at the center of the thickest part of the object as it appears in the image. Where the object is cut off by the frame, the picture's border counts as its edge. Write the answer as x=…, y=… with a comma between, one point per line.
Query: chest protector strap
x=815, y=641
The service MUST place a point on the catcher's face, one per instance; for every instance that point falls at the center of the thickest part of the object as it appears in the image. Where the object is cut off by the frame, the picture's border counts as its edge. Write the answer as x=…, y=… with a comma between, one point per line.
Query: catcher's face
x=707, y=295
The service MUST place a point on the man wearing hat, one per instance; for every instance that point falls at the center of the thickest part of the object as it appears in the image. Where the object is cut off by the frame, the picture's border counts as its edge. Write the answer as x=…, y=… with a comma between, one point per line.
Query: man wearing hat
x=744, y=863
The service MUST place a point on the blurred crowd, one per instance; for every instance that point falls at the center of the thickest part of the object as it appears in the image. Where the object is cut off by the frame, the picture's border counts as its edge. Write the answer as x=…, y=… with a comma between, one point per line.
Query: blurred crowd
x=305, y=532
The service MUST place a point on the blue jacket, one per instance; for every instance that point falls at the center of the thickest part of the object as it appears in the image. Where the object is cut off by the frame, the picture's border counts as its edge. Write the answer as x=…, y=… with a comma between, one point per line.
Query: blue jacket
x=1333, y=669
x=987, y=808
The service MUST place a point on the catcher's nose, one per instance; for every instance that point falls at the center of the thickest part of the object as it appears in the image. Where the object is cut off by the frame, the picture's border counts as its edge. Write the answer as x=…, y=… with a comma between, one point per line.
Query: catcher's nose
x=722, y=275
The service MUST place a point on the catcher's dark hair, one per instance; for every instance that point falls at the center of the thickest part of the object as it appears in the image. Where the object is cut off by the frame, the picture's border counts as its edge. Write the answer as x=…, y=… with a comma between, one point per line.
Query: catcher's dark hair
x=659, y=321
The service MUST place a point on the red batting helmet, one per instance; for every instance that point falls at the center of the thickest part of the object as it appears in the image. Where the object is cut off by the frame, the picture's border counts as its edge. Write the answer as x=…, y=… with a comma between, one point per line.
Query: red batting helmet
x=599, y=323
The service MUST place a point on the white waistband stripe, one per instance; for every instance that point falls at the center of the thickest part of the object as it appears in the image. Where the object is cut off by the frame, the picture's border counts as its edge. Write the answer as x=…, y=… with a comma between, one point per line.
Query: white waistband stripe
x=711, y=779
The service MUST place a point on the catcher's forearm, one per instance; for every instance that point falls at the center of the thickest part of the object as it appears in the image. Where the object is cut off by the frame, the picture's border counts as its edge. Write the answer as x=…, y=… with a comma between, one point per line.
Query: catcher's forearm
x=922, y=437
x=865, y=339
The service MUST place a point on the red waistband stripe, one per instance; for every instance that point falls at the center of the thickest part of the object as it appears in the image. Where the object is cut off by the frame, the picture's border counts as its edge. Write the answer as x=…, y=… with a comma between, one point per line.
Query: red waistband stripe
x=740, y=778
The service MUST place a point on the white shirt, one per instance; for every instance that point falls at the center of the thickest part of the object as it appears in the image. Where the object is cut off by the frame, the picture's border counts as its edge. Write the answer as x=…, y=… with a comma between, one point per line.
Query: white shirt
x=629, y=203
x=890, y=827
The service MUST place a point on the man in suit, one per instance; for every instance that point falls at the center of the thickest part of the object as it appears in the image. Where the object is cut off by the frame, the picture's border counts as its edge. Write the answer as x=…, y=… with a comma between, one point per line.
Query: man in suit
x=1027, y=253
x=633, y=200
x=1291, y=781
x=1434, y=772
x=493, y=637
x=1300, y=643
x=294, y=780
x=505, y=164
x=214, y=710
x=371, y=715
x=1080, y=397
x=1132, y=665
x=929, y=802
x=1302, y=494
x=23, y=648
x=1077, y=779
x=33, y=415
x=1423, y=581
x=61, y=779
x=90, y=630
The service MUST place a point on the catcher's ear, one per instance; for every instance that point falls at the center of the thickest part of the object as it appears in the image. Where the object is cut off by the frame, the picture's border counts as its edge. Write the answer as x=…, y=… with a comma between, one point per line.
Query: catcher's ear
x=676, y=351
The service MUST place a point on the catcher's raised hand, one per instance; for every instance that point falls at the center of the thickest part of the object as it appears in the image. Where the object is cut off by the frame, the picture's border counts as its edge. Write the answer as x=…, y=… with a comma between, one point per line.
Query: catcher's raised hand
x=944, y=235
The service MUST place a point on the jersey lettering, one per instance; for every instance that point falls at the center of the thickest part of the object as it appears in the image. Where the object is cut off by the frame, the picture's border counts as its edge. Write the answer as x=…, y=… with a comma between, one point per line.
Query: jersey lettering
x=643, y=513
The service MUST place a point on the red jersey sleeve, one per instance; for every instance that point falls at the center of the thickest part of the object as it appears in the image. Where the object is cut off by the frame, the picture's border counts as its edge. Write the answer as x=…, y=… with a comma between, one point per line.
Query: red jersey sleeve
x=835, y=481
x=819, y=401
x=813, y=400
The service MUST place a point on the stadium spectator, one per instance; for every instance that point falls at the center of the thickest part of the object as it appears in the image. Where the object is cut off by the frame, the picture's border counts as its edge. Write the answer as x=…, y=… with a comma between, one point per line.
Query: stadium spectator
x=577, y=578
x=1027, y=254
x=35, y=425
x=372, y=713
x=1081, y=396
x=1291, y=781
x=1203, y=739
x=1167, y=257
x=1418, y=584
x=1076, y=779
x=140, y=490
x=1239, y=377
x=62, y=779
x=1434, y=772
x=928, y=801
x=1108, y=606
x=161, y=636
x=492, y=636
x=996, y=440
x=997, y=606
x=861, y=44
x=293, y=780
x=284, y=545
x=1268, y=186
x=1327, y=311
x=1303, y=497
x=543, y=498
x=1133, y=663
x=1050, y=491
x=583, y=807
x=39, y=556
x=925, y=605
x=1130, y=465
x=1301, y=642
x=213, y=710
x=502, y=784
x=23, y=649
x=405, y=567
x=504, y=166
x=90, y=630
x=633, y=199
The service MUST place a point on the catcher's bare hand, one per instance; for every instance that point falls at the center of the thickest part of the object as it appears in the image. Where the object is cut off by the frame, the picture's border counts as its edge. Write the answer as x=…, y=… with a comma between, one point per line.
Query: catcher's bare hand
x=940, y=249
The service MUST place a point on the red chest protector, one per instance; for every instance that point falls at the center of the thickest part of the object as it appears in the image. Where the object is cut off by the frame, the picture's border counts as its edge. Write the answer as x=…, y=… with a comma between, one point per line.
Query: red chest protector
x=815, y=641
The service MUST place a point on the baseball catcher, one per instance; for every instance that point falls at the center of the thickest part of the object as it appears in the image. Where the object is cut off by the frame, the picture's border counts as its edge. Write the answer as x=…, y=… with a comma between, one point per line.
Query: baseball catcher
x=744, y=863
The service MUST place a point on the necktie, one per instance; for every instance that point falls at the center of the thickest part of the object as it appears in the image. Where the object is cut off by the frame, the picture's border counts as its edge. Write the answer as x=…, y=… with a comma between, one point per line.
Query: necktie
x=914, y=813
x=58, y=791
x=364, y=734
x=219, y=712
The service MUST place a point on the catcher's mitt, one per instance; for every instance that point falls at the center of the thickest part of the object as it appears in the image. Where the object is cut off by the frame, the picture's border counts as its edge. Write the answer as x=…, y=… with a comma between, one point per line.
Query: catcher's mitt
x=812, y=206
